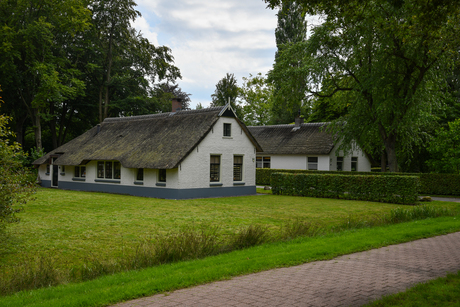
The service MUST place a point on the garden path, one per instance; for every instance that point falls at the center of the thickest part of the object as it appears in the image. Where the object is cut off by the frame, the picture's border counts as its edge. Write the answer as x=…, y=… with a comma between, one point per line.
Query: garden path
x=350, y=280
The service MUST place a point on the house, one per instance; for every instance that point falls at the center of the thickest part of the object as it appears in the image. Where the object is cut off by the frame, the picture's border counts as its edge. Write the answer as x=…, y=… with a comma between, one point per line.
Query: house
x=175, y=155
x=304, y=147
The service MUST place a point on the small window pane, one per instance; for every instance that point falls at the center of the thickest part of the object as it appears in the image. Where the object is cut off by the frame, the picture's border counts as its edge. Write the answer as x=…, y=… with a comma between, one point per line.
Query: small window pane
x=83, y=171
x=140, y=174
x=100, y=169
x=237, y=168
x=162, y=175
x=340, y=163
x=312, y=163
x=354, y=164
x=227, y=129
x=108, y=170
x=215, y=169
x=77, y=171
x=266, y=162
x=116, y=170
x=259, y=162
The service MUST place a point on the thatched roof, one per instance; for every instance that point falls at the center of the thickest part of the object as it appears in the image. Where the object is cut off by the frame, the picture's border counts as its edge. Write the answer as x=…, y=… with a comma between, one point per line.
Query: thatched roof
x=308, y=139
x=158, y=141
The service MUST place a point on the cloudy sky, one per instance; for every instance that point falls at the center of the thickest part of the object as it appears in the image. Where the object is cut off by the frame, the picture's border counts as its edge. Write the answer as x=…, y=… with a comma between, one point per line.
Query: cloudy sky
x=210, y=38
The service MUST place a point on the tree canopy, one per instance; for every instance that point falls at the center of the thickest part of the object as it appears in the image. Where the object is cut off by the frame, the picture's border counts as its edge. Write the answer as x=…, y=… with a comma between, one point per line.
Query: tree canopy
x=389, y=60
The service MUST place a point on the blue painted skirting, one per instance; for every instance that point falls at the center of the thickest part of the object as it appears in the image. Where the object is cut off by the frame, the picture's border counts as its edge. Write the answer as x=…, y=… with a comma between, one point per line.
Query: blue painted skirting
x=156, y=192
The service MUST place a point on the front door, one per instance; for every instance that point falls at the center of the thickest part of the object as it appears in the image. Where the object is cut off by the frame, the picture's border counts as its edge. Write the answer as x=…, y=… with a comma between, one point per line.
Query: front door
x=55, y=172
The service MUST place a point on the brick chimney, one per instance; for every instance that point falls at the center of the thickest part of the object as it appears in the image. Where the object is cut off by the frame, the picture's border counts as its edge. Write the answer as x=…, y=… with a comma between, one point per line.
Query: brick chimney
x=176, y=105
x=298, y=120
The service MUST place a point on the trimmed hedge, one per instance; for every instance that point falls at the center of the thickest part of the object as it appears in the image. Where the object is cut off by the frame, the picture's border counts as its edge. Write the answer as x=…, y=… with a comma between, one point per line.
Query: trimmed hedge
x=389, y=189
x=434, y=184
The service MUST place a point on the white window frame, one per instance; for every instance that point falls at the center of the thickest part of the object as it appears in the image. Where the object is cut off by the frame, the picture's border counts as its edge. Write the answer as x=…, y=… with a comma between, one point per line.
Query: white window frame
x=312, y=163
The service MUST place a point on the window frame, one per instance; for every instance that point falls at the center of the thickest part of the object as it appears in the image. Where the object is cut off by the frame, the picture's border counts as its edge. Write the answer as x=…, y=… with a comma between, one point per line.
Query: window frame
x=339, y=162
x=106, y=169
x=79, y=171
x=227, y=130
x=312, y=163
x=140, y=174
x=215, y=168
x=238, y=168
x=263, y=161
x=354, y=164
x=162, y=175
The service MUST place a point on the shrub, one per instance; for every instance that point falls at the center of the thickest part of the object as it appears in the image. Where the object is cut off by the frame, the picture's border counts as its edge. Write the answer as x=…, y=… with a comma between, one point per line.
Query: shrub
x=390, y=189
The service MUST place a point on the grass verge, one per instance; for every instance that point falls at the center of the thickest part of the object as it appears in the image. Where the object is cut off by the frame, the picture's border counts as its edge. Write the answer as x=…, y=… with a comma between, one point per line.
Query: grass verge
x=439, y=292
x=124, y=286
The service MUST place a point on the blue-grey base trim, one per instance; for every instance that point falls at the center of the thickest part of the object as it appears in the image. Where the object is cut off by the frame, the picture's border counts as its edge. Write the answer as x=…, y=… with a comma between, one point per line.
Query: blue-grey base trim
x=46, y=183
x=156, y=192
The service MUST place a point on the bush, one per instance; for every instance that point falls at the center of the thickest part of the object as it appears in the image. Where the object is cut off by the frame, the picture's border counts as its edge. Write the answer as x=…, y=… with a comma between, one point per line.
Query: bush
x=389, y=189
x=432, y=183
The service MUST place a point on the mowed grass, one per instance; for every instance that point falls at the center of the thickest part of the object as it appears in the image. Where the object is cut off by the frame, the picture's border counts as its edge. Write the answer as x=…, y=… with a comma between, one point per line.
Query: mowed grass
x=73, y=226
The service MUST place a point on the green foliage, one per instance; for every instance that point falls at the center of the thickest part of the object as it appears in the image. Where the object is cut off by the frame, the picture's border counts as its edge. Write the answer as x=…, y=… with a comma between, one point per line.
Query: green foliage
x=390, y=58
x=440, y=184
x=289, y=85
x=16, y=183
x=256, y=97
x=390, y=189
x=445, y=147
x=227, y=92
x=430, y=183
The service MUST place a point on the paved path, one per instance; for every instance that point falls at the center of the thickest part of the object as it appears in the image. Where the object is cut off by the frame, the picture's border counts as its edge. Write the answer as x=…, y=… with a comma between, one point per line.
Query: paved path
x=350, y=280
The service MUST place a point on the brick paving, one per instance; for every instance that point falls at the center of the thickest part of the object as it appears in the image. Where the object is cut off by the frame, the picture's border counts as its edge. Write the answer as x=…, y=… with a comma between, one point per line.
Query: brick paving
x=350, y=280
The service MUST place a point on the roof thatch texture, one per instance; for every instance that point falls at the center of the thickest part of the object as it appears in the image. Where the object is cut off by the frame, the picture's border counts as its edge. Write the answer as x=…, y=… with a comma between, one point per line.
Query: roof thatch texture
x=159, y=141
x=308, y=139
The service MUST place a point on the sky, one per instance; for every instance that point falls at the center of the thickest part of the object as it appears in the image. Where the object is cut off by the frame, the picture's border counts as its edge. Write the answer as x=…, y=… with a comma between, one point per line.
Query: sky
x=210, y=38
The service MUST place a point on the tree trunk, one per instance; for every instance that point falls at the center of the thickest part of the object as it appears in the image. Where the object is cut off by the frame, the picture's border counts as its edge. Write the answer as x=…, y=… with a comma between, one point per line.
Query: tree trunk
x=37, y=128
x=101, y=88
x=53, y=126
x=390, y=148
x=383, y=162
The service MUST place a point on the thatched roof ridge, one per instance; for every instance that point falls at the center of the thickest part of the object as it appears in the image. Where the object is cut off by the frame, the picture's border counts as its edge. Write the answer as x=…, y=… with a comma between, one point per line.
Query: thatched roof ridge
x=307, y=139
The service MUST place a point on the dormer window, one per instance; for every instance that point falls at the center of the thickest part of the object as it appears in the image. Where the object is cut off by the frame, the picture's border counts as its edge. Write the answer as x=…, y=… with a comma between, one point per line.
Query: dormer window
x=227, y=129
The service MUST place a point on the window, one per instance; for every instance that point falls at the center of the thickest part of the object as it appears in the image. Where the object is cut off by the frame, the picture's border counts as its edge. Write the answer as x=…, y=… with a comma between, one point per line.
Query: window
x=354, y=164
x=263, y=162
x=227, y=129
x=140, y=174
x=162, y=175
x=215, y=169
x=80, y=171
x=108, y=170
x=238, y=168
x=47, y=169
x=312, y=163
x=340, y=163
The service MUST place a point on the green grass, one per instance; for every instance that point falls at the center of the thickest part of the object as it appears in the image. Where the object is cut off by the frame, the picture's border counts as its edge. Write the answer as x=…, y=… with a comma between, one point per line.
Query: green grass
x=72, y=226
x=439, y=292
x=124, y=286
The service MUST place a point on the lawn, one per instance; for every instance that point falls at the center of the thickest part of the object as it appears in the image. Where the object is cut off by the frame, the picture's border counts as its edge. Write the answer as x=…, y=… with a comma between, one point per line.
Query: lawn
x=72, y=226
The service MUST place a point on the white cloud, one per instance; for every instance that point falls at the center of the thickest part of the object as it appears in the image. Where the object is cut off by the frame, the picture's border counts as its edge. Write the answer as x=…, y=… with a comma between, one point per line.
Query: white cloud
x=210, y=38
x=147, y=31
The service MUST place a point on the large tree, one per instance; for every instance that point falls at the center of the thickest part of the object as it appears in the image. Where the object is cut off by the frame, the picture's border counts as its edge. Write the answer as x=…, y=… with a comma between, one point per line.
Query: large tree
x=256, y=96
x=389, y=58
x=35, y=69
x=289, y=90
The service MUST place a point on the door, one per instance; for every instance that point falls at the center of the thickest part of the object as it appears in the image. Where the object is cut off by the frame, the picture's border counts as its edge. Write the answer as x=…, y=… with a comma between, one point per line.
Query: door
x=55, y=172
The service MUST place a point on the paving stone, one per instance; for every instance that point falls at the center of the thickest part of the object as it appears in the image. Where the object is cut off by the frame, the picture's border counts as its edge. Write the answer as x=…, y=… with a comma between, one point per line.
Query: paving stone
x=350, y=280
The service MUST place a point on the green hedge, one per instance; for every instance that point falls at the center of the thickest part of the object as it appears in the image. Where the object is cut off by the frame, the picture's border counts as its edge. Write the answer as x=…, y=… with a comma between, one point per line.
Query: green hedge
x=389, y=189
x=434, y=184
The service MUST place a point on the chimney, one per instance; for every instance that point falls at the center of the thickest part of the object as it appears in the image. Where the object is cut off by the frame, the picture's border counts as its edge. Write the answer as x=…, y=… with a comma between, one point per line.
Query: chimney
x=298, y=120
x=98, y=128
x=176, y=105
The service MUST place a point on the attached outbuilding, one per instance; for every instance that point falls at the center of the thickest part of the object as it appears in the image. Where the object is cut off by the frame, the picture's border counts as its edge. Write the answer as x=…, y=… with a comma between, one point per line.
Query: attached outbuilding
x=305, y=146
x=176, y=155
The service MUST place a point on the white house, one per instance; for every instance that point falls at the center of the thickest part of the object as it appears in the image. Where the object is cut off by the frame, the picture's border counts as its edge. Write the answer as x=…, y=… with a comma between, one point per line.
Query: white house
x=175, y=155
x=304, y=147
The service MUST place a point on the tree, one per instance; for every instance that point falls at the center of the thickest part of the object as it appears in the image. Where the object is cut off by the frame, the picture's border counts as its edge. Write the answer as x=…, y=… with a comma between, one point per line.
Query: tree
x=445, y=148
x=289, y=90
x=256, y=96
x=16, y=183
x=390, y=57
x=34, y=64
x=226, y=91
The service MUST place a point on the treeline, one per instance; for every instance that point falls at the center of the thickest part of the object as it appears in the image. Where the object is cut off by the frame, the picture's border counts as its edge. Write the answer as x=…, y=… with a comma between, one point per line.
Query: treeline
x=66, y=65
